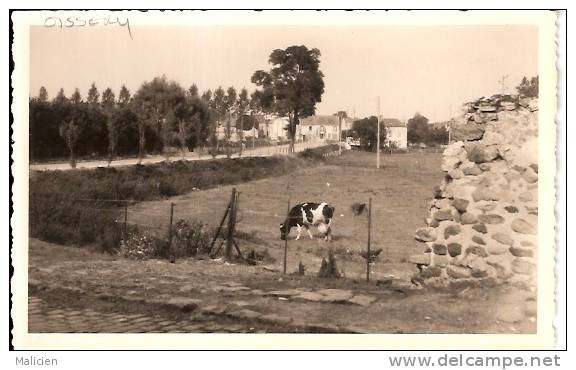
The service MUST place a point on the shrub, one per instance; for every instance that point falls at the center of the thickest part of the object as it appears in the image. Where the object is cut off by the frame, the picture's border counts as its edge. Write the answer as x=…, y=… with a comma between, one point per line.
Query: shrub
x=140, y=245
x=317, y=154
x=191, y=238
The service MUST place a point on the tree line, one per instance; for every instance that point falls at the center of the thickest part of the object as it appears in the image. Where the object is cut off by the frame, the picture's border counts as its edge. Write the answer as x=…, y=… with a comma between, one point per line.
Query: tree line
x=161, y=115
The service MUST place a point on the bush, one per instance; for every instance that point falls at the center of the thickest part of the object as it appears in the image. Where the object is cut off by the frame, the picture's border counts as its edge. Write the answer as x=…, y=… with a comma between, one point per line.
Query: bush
x=191, y=238
x=317, y=154
x=140, y=245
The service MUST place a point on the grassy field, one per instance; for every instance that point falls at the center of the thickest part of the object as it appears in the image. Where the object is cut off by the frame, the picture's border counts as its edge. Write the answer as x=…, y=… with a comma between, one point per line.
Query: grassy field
x=400, y=190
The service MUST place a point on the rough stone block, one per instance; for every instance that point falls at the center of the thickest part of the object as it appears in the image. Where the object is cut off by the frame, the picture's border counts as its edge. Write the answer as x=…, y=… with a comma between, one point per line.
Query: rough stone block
x=469, y=131
x=452, y=230
x=522, y=266
x=443, y=215
x=430, y=272
x=481, y=228
x=491, y=219
x=468, y=218
x=454, y=249
x=477, y=250
x=522, y=252
x=426, y=234
x=460, y=204
x=503, y=239
x=458, y=272
x=439, y=249
x=522, y=226
x=478, y=239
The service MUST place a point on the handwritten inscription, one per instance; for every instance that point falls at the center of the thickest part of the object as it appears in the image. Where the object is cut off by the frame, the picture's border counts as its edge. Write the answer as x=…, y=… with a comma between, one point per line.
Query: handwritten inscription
x=70, y=22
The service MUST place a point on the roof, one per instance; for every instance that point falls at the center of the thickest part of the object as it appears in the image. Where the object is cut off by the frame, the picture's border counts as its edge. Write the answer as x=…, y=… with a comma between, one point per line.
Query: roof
x=392, y=122
x=320, y=120
x=250, y=121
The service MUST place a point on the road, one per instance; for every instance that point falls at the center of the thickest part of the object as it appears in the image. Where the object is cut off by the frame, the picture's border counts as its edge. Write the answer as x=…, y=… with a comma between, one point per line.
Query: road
x=256, y=152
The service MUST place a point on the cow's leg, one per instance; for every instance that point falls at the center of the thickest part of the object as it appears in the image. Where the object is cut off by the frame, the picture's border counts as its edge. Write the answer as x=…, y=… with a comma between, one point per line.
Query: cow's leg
x=328, y=230
x=299, y=230
x=309, y=232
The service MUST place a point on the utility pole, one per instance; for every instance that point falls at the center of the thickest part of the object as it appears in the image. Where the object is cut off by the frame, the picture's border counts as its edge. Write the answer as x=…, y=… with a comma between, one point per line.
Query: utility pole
x=378, y=138
x=502, y=83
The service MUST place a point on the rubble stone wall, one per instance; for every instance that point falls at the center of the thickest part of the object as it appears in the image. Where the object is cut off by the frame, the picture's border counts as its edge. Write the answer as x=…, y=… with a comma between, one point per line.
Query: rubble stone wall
x=482, y=223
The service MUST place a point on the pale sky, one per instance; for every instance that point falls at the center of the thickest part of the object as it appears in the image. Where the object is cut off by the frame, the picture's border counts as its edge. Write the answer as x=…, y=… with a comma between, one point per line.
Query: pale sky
x=431, y=70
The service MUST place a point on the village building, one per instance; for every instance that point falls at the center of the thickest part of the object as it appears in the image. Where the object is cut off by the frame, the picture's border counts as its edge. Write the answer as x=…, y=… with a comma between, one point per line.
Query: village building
x=252, y=126
x=396, y=133
x=319, y=127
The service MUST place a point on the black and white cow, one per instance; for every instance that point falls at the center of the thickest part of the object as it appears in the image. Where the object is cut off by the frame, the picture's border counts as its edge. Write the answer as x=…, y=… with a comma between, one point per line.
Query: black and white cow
x=306, y=215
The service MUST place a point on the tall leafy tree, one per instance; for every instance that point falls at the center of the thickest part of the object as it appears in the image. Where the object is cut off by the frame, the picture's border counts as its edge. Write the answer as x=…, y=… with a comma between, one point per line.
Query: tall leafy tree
x=193, y=91
x=76, y=97
x=70, y=131
x=60, y=97
x=366, y=130
x=207, y=96
x=108, y=108
x=242, y=108
x=418, y=129
x=293, y=85
x=123, y=96
x=217, y=112
x=191, y=117
x=155, y=103
x=342, y=115
x=528, y=88
x=43, y=95
x=230, y=103
x=93, y=95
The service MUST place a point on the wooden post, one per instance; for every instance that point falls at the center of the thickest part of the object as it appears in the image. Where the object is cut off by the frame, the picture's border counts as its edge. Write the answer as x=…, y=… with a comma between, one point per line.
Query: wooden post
x=125, y=219
x=368, y=246
x=231, y=224
x=286, y=239
x=170, y=226
x=378, y=138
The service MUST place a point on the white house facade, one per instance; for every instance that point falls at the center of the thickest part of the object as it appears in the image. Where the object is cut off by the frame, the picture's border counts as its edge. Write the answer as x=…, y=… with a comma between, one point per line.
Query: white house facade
x=396, y=133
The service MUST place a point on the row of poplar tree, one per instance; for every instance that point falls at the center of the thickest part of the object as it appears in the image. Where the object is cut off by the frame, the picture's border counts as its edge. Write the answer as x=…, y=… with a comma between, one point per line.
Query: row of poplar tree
x=159, y=116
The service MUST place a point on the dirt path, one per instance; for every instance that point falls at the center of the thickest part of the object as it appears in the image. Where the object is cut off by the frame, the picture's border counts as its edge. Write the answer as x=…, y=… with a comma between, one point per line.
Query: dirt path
x=256, y=152
x=66, y=284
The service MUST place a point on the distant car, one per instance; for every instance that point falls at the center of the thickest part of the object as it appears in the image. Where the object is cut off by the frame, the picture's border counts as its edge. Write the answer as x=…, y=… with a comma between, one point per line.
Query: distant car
x=352, y=142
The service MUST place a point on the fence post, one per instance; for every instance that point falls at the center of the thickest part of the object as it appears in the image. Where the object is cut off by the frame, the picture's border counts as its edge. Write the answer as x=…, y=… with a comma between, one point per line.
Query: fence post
x=170, y=226
x=231, y=224
x=125, y=220
x=368, y=246
x=286, y=239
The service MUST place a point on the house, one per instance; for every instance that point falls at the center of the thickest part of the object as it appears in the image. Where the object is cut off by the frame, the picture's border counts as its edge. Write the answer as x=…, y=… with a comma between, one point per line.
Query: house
x=320, y=127
x=396, y=132
x=276, y=128
x=252, y=126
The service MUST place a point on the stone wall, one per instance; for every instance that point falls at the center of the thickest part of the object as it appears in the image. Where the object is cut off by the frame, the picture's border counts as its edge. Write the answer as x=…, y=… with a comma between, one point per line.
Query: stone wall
x=482, y=225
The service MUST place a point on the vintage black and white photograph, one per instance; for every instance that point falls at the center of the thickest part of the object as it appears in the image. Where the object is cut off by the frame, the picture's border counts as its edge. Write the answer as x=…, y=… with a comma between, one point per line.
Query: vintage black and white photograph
x=284, y=172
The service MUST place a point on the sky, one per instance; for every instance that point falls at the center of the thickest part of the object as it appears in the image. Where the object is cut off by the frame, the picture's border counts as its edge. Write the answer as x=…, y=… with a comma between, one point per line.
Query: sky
x=426, y=69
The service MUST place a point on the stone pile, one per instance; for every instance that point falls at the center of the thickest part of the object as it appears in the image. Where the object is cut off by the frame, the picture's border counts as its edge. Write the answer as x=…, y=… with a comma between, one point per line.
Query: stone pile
x=482, y=225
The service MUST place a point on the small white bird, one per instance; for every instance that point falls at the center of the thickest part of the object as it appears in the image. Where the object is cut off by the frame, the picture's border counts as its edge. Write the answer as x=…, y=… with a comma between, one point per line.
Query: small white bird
x=327, y=184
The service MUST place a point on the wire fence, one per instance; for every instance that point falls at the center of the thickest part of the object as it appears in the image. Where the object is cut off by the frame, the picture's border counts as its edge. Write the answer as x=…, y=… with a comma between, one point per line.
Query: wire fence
x=249, y=213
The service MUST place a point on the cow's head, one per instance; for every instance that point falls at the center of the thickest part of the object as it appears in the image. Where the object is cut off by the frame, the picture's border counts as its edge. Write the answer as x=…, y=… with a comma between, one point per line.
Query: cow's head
x=284, y=230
